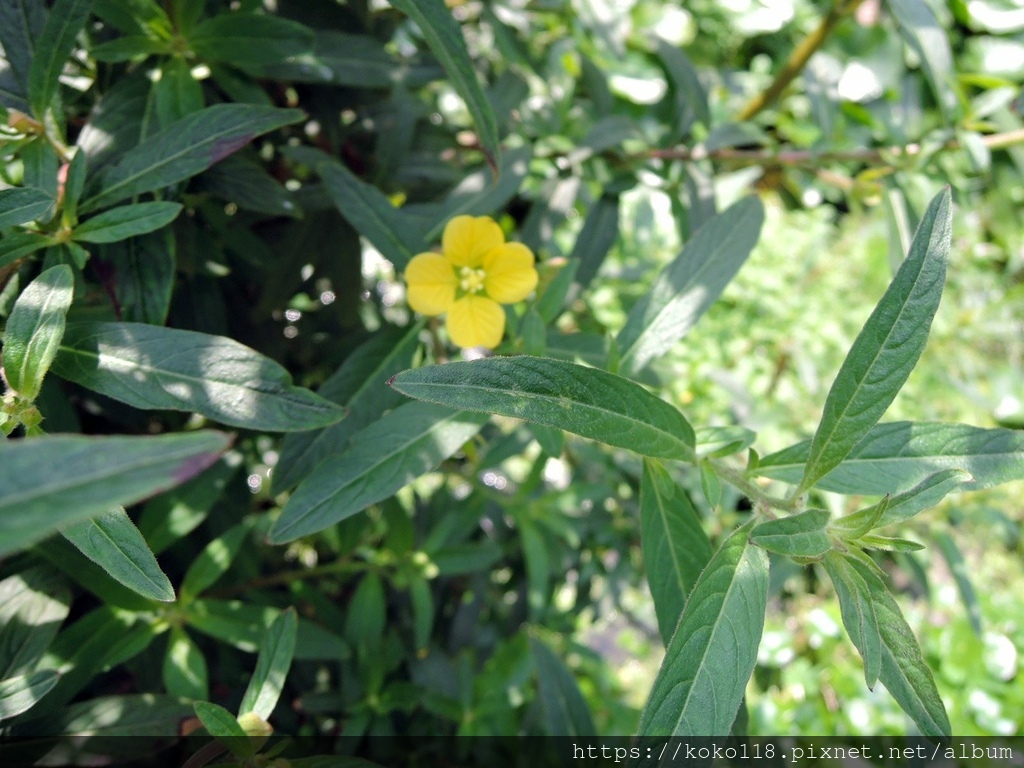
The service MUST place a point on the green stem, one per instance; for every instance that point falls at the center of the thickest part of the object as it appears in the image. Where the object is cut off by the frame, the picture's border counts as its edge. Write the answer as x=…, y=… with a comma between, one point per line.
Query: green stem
x=738, y=479
x=283, y=577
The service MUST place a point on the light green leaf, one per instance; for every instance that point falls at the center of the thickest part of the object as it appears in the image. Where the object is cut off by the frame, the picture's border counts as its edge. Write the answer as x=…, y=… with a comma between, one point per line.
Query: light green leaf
x=384, y=457
x=213, y=562
x=126, y=221
x=442, y=33
x=702, y=680
x=35, y=328
x=887, y=348
x=895, y=457
x=715, y=442
x=585, y=401
x=169, y=369
x=33, y=604
x=223, y=726
x=113, y=542
x=96, y=473
x=958, y=567
x=685, y=290
x=21, y=205
x=247, y=38
x=675, y=547
x=565, y=710
x=889, y=543
x=799, y=535
x=858, y=613
x=923, y=33
x=184, y=670
x=900, y=508
x=272, y=666
x=20, y=694
x=53, y=48
x=187, y=147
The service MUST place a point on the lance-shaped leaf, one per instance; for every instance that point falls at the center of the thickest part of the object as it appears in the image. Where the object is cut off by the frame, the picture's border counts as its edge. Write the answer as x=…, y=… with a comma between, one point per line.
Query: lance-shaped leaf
x=565, y=710
x=21, y=22
x=96, y=473
x=858, y=613
x=33, y=604
x=184, y=670
x=959, y=568
x=22, y=205
x=586, y=401
x=126, y=221
x=187, y=147
x=112, y=541
x=386, y=456
x=895, y=457
x=682, y=293
x=926, y=36
x=156, y=368
x=248, y=38
x=35, y=328
x=442, y=33
x=53, y=48
x=223, y=726
x=599, y=233
x=702, y=680
x=20, y=694
x=887, y=348
x=799, y=535
x=20, y=244
x=676, y=549
x=897, y=509
x=272, y=666
x=213, y=562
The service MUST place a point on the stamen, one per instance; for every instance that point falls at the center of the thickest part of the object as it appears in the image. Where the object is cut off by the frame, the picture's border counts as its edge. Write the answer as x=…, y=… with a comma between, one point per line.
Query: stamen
x=472, y=280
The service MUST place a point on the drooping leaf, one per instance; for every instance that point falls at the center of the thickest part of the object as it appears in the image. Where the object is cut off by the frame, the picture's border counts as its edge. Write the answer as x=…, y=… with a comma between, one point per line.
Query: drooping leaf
x=53, y=48
x=565, y=710
x=858, y=613
x=799, y=535
x=21, y=205
x=712, y=654
x=384, y=457
x=675, y=547
x=272, y=666
x=585, y=401
x=958, y=567
x=887, y=348
x=126, y=221
x=35, y=328
x=685, y=290
x=96, y=473
x=165, y=368
x=112, y=541
x=902, y=507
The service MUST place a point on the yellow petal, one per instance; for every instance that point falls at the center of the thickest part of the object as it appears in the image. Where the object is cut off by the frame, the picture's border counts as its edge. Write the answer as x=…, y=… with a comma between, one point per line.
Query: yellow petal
x=476, y=321
x=467, y=238
x=430, y=281
x=510, y=274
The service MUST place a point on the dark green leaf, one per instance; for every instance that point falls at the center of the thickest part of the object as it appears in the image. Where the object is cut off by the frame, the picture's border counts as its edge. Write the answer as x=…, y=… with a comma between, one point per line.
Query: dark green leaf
x=74, y=184
x=675, y=547
x=213, y=562
x=858, y=613
x=126, y=221
x=248, y=38
x=33, y=604
x=897, y=456
x=113, y=542
x=565, y=710
x=96, y=473
x=337, y=58
x=164, y=368
x=442, y=33
x=272, y=666
x=35, y=328
x=221, y=724
x=53, y=48
x=146, y=718
x=691, y=100
x=366, y=617
x=20, y=244
x=20, y=694
x=702, y=680
x=685, y=290
x=128, y=47
x=799, y=535
x=21, y=22
x=175, y=96
x=599, y=233
x=887, y=348
x=585, y=401
x=384, y=457
x=241, y=181
x=187, y=147
x=22, y=205
x=144, y=272
x=184, y=670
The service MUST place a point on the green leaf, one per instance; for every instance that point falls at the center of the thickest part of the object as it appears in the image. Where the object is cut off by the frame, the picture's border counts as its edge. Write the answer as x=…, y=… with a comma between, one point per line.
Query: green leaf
x=175, y=514
x=958, y=567
x=685, y=290
x=21, y=22
x=33, y=604
x=144, y=274
x=600, y=232
x=903, y=671
x=146, y=719
x=858, y=613
x=887, y=348
x=923, y=33
x=384, y=457
x=442, y=33
x=242, y=39
x=367, y=614
x=20, y=694
x=113, y=542
x=900, y=508
x=35, y=328
x=565, y=710
x=585, y=401
x=337, y=58
x=691, y=100
x=246, y=184
x=184, y=670
x=272, y=666
x=702, y=680
x=423, y=610
x=359, y=385
x=187, y=147
x=675, y=547
x=895, y=457
x=21, y=205
x=74, y=184
x=126, y=221
x=21, y=244
x=169, y=369
x=96, y=473
x=176, y=95
x=799, y=535
x=53, y=48
x=222, y=725
x=213, y=562
x=710, y=485
x=716, y=442
x=128, y=47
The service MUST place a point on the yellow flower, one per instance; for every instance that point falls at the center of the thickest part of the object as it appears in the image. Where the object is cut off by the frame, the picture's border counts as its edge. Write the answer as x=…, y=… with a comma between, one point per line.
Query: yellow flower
x=475, y=273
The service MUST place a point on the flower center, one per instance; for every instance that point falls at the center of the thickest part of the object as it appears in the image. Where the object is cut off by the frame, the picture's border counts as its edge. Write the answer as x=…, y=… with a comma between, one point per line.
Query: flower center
x=471, y=280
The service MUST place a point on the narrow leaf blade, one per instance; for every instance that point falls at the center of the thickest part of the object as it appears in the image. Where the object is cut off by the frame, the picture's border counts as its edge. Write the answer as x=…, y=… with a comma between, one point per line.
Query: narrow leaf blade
x=20, y=694
x=126, y=221
x=799, y=535
x=858, y=614
x=53, y=48
x=565, y=710
x=22, y=205
x=272, y=666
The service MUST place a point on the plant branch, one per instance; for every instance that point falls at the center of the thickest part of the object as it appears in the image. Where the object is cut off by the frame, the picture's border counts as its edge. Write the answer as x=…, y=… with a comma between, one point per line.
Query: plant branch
x=284, y=577
x=798, y=59
x=752, y=491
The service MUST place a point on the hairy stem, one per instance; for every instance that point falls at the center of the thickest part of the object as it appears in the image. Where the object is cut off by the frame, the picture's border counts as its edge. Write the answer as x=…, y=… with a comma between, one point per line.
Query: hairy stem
x=738, y=479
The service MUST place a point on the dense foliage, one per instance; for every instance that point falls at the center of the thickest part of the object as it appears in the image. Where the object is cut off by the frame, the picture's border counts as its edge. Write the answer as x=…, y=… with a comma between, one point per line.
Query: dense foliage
x=253, y=480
